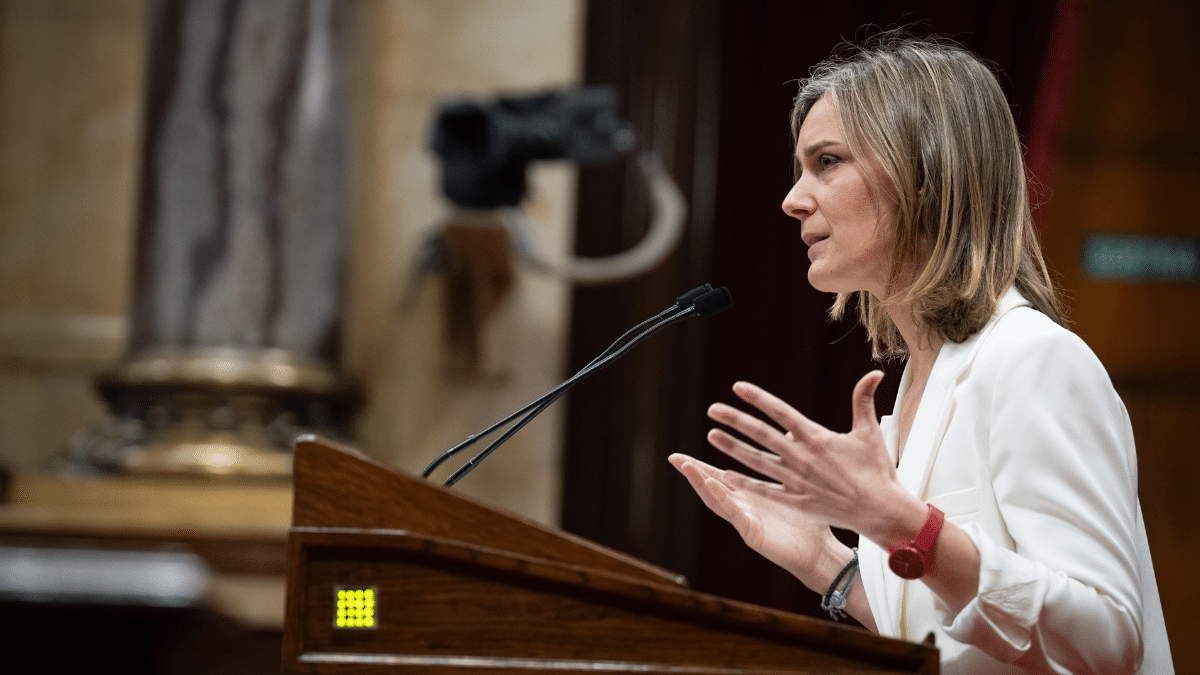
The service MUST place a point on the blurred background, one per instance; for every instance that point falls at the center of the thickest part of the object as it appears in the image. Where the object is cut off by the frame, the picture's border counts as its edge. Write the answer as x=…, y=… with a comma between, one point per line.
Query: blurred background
x=223, y=223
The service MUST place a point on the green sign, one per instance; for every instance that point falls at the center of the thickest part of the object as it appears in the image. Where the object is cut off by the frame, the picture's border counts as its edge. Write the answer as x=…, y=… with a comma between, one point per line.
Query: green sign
x=1141, y=258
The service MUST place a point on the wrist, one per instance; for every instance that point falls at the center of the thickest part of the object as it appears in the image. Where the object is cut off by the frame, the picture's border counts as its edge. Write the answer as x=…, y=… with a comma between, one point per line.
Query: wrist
x=898, y=524
x=833, y=557
x=835, y=599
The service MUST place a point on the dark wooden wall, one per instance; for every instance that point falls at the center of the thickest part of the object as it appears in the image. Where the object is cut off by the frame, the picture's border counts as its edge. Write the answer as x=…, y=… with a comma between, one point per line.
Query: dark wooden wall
x=1129, y=162
x=664, y=59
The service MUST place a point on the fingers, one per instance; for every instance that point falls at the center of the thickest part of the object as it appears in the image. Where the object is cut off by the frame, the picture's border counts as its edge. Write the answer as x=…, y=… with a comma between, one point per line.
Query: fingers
x=752, y=458
x=782, y=460
x=732, y=480
x=775, y=408
x=706, y=481
x=685, y=464
x=863, y=401
x=754, y=428
x=796, y=426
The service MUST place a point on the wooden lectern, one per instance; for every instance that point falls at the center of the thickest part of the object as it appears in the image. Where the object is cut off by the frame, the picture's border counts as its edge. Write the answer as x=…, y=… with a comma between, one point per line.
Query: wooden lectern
x=423, y=579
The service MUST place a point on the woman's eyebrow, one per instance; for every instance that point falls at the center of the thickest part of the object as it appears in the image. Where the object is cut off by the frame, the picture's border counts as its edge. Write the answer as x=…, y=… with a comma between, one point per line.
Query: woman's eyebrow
x=816, y=147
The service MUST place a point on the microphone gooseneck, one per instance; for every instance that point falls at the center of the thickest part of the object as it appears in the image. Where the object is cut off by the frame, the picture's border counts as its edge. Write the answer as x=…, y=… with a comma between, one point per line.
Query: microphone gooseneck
x=683, y=301
x=702, y=301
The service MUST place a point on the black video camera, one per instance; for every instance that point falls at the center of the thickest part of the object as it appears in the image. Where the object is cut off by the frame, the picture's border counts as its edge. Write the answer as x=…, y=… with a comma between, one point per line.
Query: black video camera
x=485, y=148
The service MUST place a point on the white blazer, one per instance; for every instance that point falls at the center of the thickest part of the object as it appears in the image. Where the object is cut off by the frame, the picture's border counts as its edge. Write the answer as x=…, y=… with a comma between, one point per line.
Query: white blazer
x=1023, y=442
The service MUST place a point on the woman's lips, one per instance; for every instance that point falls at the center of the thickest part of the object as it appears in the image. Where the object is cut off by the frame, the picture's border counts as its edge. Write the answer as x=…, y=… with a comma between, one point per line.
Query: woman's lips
x=812, y=238
x=812, y=247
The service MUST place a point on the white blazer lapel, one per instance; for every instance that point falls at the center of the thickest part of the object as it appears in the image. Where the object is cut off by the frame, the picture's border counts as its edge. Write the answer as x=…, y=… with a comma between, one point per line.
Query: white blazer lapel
x=924, y=443
x=929, y=425
x=936, y=410
x=872, y=560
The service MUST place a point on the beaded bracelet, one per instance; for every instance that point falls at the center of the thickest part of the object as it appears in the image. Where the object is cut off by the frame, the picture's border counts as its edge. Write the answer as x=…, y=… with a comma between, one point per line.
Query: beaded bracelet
x=834, y=601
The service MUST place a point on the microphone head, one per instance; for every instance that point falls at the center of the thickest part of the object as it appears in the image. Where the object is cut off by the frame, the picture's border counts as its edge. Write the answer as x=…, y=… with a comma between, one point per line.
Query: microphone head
x=711, y=302
x=685, y=301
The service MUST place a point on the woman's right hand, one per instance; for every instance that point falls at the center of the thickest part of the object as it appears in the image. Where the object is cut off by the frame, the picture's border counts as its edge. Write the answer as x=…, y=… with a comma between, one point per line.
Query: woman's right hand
x=769, y=521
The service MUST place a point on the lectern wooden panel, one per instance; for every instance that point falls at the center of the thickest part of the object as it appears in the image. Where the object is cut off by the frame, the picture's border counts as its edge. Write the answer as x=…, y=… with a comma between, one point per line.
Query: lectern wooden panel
x=387, y=573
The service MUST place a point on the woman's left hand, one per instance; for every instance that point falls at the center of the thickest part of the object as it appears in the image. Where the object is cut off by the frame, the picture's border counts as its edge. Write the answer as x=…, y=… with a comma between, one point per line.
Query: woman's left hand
x=847, y=480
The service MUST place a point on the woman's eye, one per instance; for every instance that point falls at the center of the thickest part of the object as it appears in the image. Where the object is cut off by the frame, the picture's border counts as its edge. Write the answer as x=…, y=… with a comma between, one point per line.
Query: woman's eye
x=826, y=161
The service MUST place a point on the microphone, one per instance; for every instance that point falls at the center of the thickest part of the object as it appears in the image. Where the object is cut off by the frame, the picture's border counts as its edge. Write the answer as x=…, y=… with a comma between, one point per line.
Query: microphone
x=686, y=300
x=703, y=301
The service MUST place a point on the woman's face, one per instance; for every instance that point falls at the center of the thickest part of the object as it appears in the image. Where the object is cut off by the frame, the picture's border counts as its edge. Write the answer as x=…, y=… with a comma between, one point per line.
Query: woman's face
x=842, y=218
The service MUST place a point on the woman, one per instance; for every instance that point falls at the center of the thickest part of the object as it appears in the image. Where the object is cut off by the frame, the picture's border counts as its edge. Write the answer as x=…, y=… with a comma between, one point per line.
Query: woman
x=997, y=506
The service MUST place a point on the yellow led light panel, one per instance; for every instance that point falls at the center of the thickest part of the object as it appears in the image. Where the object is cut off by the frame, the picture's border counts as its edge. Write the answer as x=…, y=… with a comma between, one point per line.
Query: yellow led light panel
x=355, y=608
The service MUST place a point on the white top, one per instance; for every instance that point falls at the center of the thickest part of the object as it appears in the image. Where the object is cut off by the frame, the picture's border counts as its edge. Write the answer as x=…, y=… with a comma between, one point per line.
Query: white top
x=1022, y=441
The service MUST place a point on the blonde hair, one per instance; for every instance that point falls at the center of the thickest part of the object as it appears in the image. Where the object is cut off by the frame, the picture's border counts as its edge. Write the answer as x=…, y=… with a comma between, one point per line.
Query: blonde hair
x=937, y=124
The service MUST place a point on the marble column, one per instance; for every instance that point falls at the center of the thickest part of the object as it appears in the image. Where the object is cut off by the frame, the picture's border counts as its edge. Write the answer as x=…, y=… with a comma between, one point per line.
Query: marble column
x=240, y=242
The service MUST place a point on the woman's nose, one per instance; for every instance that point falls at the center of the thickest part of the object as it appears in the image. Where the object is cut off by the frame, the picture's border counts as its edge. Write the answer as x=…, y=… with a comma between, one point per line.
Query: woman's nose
x=799, y=203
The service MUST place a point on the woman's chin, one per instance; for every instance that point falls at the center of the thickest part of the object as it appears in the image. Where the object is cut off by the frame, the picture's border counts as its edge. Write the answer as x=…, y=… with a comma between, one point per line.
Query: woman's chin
x=823, y=282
